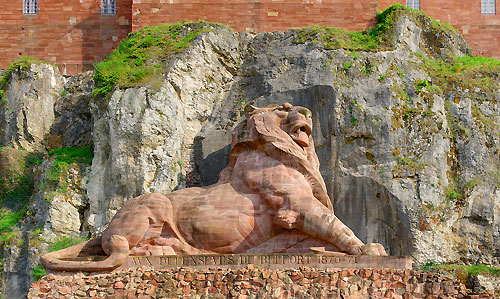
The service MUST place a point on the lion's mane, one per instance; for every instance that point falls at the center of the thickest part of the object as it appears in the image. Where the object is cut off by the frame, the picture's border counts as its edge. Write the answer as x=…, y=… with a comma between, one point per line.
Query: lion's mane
x=254, y=133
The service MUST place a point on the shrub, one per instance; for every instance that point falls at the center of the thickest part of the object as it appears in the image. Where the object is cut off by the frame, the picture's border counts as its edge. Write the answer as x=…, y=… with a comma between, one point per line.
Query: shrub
x=38, y=272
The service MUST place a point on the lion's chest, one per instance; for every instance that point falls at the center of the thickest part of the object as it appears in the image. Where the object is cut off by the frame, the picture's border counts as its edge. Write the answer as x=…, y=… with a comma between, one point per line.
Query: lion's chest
x=223, y=220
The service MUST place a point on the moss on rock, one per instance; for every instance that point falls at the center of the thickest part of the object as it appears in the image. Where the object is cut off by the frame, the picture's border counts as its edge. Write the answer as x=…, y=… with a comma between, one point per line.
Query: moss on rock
x=142, y=56
x=380, y=38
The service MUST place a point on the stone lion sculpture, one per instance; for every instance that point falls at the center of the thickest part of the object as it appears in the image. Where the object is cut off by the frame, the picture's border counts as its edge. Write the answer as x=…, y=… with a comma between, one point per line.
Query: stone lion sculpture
x=271, y=198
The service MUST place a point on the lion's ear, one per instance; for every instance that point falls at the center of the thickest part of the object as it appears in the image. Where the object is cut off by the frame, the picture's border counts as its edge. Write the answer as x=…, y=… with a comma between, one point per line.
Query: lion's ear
x=249, y=109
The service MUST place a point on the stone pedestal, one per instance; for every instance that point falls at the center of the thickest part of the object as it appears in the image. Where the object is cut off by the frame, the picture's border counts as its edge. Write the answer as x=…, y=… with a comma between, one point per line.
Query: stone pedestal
x=254, y=281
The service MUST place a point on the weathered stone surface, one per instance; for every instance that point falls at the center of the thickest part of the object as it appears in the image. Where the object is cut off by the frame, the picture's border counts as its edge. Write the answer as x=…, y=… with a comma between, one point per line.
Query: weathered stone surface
x=58, y=204
x=27, y=106
x=485, y=283
x=15, y=176
x=73, y=121
x=391, y=173
x=425, y=40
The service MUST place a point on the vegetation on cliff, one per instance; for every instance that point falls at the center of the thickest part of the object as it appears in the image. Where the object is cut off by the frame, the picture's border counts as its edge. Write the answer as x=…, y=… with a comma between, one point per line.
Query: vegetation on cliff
x=380, y=38
x=468, y=72
x=141, y=57
x=22, y=63
x=63, y=158
x=16, y=187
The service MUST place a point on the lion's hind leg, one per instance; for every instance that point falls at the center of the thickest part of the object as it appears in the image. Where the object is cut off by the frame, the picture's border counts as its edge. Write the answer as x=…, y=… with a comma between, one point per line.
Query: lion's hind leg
x=119, y=251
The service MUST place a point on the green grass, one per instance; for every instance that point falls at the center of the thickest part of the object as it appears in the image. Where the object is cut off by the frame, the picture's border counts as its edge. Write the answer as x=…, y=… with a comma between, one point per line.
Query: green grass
x=65, y=242
x=469, y=270
x=70, y=154
x=373, y=39
x=16, y=188
x=8, y=220
x=38, y=272
x=333, y=38
x=347, y=65
x=466, y=72
x=140, y=58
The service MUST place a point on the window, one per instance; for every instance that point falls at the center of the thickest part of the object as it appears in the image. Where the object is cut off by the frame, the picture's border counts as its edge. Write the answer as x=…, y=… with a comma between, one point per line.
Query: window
x=488, y=7
x=108, y=7
x=30, y=7
x=415, y=4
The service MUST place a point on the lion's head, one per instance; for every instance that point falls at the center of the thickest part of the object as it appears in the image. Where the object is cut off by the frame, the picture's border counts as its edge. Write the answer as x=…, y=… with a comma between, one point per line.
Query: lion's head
x=284, y=133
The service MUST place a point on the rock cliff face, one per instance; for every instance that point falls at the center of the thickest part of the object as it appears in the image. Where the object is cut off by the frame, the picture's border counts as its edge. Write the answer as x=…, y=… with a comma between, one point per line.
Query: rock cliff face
x=410, y=157
x=28, y=106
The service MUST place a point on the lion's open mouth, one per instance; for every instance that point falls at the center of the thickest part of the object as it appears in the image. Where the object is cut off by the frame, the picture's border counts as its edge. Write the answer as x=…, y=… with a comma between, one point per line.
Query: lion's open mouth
x=300, y=134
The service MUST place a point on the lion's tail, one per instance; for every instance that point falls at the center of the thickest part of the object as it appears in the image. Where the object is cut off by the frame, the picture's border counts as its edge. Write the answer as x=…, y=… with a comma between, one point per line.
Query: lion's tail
x=118, y=255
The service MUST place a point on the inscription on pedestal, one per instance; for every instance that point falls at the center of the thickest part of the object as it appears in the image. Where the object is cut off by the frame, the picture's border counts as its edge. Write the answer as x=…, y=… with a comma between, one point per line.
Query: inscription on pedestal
x=271, y=261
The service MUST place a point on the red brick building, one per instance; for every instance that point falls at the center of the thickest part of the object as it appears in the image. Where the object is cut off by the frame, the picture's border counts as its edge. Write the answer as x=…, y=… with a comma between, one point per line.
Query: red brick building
x=76, y=33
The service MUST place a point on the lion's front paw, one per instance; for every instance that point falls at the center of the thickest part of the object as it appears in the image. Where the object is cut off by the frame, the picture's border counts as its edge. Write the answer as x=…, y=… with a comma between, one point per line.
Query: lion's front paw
x=373, y=249
x=119, y=244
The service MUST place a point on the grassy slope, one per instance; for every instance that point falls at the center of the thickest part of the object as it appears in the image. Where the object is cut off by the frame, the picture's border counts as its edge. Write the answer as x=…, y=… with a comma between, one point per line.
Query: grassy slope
x=141, y=57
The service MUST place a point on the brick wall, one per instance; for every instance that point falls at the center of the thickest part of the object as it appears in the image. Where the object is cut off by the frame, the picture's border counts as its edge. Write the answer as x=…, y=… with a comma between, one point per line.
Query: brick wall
x=482, y=32
x=74, y=34
x=258, y=16
x=70, y=33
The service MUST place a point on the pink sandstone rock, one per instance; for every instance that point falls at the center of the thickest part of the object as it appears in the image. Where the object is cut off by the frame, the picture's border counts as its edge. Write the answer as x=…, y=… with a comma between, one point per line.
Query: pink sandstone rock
x=271, y=198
